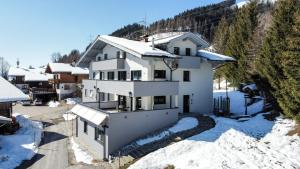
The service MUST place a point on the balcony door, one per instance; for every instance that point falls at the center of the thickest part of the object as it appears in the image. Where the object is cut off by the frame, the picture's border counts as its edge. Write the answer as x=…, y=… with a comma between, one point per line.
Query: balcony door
x=121, y=75
x=136, y=75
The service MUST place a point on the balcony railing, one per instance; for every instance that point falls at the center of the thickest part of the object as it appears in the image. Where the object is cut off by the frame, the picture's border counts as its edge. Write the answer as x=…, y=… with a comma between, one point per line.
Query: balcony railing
x=111, y=64
x=133, y=88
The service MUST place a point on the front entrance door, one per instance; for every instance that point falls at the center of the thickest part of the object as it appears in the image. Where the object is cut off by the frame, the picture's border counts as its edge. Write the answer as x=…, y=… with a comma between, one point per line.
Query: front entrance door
x=138, y=103
x=186, y=103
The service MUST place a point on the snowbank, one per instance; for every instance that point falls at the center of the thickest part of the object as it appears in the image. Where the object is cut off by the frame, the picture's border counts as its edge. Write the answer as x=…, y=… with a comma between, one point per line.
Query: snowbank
x=53, y=104
x=237, y=102
x=183, y=124
x=80, y=155
x=69, y=116
x=22, y=145
x=72, y=101
x=256, y=143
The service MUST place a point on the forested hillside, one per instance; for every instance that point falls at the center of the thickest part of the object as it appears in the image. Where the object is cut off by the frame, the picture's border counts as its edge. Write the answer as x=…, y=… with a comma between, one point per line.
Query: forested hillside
x=203, y=20
x=264, y=40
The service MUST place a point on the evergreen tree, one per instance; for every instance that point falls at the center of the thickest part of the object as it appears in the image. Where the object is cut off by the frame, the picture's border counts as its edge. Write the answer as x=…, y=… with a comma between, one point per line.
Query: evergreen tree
x=290, y=63
x=240, y=33
x=279, y=60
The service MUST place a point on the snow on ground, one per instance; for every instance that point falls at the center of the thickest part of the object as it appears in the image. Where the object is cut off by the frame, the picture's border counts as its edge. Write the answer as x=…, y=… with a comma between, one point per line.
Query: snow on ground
x=256, y=143
x=80, y=155
x=183, y=124
x=69, y=116
x=237, y=102
x=53, y=104
x=72, y=101
x=22, y=145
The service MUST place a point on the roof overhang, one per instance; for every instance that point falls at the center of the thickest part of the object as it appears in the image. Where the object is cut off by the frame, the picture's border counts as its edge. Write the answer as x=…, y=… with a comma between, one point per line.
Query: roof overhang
x=89, y=114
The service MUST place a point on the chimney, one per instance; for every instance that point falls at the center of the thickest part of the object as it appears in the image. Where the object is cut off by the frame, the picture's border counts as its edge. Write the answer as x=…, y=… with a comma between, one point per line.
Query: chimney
x=73, y=63
x=152, y=43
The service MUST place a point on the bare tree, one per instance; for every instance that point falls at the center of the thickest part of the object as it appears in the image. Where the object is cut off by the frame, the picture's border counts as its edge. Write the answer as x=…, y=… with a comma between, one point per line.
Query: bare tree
x=4, y=67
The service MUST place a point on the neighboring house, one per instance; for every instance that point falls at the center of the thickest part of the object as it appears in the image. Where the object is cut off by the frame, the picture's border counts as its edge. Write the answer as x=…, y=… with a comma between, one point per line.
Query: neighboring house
x=9, y=94
x=32, y=81
x=137, y=87
x=66, y=79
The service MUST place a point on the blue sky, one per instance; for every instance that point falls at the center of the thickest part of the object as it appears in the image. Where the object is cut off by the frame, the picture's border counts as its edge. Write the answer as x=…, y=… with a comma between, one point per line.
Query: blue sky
x=32, y=30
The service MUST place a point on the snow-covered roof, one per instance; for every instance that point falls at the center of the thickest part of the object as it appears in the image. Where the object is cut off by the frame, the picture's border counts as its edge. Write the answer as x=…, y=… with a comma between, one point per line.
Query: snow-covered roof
x=162, y=38
x=10, y=93
x=214, y=56
x=29, y=74
x=89, y=114
x=138, y=47
x=67, y=68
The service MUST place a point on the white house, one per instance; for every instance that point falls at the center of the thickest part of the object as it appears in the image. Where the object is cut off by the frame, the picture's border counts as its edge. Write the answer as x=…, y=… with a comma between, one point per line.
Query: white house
x=137, y=87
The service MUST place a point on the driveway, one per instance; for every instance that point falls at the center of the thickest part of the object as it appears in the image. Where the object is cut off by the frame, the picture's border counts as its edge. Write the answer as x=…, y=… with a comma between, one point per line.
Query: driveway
x=53, y=150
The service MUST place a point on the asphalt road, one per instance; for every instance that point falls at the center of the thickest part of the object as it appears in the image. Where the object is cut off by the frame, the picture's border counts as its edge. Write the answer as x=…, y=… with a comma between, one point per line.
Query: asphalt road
x=53, y=150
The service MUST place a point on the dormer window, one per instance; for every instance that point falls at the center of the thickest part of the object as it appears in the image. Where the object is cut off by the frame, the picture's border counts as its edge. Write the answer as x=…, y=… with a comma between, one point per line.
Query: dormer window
x=105, y=56
x=176, y=50
x=188, y=51
x=118, y=54
x=124, y=55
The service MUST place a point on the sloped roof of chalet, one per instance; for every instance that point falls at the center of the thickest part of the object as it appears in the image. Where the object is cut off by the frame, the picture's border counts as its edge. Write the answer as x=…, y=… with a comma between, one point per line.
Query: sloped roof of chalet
x=211, y=56
x=67, y=68
x=163, y=38
x=136, y=48
x=10, y=93
x=29, y=74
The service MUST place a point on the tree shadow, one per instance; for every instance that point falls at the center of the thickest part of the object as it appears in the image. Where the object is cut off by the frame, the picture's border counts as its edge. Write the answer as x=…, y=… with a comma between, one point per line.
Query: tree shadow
x=29, y=163
x=256, y=127
x=51, y=137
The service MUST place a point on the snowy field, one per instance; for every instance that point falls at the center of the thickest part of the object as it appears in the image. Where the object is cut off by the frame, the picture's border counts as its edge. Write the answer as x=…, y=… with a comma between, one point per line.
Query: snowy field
x=183, y=124
x=22, y=145
x=80, y=155
x=237, y=102
x=254, y=144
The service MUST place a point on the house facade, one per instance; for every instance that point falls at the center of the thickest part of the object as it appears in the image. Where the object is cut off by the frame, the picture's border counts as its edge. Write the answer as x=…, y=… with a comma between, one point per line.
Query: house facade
x=137, y=87
x=32, y=81
x=66, y=79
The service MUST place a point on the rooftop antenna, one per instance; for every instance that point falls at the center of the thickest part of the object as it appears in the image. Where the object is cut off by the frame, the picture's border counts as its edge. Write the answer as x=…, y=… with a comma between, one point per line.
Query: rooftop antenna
x=18, y=63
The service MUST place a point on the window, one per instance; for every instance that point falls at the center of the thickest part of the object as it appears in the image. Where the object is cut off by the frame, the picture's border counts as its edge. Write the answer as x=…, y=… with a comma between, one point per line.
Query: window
x=188, y=51
x=105, y=56
x=176, y=50
x=124, y=55
x=110, y=75
x=160, y=74
x=67, y=87
x=121, y=75
x=110, y=97
x=85, y=127
x=102, y=96
x=91, y=93
x=159, y=99
x=186, y=76
x=136, y=75
x=101, y=75
x=118, y=54
x=99, y=135
x=99, y=58
x=86, y=92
